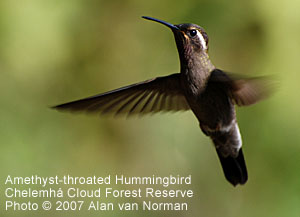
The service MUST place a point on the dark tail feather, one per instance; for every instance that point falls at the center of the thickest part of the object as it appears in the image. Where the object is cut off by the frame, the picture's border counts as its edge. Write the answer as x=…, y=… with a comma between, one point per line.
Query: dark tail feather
x=234, y=169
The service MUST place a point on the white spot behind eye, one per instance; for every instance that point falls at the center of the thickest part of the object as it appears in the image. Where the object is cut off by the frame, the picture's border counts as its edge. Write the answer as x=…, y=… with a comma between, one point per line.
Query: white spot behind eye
x=202, y=40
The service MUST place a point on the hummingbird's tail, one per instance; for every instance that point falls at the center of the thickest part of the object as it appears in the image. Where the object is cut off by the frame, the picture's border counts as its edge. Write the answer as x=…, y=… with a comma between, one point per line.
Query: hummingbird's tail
x=234, y=168
x=228, y=145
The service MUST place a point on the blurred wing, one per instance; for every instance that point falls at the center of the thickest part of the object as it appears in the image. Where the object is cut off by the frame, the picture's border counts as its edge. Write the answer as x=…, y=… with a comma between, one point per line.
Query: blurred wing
x=250, y=91
x=155, y=95
x=244, y=91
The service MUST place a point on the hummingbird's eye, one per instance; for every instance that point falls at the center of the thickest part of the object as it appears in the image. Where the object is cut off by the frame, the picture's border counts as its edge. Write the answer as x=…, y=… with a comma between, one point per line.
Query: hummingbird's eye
x=193, y=32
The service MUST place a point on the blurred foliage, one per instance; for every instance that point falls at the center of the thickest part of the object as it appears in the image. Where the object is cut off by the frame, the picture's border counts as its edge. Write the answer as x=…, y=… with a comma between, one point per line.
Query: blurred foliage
x=56, y=51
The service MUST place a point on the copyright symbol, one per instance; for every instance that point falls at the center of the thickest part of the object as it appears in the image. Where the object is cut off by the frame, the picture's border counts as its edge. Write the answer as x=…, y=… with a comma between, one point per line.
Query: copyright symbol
x=46, y=205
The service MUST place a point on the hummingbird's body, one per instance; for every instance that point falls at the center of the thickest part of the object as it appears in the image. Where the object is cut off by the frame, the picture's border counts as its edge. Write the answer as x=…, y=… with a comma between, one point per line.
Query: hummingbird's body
x=209, y=92
x=214, y=109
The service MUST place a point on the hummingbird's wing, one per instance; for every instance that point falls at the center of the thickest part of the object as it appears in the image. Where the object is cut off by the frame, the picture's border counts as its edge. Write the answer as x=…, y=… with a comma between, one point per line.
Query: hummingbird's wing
x=154, y=95
x=244, y=91
x=249, y=91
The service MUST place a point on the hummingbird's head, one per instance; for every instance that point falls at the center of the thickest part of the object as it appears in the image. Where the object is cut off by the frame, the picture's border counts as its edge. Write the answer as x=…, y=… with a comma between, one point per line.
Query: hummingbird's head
x=190, y=38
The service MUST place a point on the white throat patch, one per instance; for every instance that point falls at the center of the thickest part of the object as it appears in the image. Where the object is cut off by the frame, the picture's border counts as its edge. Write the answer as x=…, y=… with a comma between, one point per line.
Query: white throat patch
x=202, y=40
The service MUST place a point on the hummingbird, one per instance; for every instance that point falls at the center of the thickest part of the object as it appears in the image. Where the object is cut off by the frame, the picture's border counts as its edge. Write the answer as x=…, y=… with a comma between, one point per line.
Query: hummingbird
x=210, y=93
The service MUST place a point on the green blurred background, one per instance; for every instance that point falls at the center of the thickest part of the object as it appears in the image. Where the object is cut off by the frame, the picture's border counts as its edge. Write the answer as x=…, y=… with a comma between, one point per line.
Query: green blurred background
x=56, y=51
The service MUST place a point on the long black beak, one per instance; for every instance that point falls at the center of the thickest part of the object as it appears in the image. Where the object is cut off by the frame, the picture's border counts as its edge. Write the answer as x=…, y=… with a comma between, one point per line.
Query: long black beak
x=171, y=26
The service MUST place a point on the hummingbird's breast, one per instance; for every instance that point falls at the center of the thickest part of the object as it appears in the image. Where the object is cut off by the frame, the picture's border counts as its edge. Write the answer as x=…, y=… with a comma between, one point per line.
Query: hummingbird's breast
x=210, y=102
x=195, y=72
